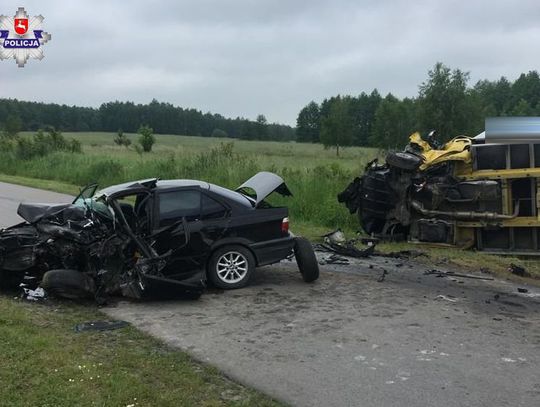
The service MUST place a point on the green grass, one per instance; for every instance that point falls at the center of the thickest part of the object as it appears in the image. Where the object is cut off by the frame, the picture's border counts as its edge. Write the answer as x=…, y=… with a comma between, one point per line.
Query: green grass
x=314, y=175
x=44, y=362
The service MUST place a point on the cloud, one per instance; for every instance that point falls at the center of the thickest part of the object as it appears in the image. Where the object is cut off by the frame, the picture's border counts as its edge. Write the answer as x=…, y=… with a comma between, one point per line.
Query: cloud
x=245, y=57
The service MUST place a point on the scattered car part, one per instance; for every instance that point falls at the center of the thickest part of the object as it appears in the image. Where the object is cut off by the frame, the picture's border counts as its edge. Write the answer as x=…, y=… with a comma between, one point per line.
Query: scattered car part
x=306, y=260
x=336, y=236
x=334, y=259
x=100, y=326
x=68, y=284
x=518, y=270
x=382, y=277
x=439, y=273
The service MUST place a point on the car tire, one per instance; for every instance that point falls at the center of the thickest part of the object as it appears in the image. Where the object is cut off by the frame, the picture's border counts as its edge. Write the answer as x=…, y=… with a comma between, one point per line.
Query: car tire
x=70, y=284
x=231, y=267
x=403, y=160
x=306, y=260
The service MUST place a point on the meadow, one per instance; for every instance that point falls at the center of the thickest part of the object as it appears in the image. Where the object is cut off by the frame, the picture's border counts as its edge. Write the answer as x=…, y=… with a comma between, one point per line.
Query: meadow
x=314, y=175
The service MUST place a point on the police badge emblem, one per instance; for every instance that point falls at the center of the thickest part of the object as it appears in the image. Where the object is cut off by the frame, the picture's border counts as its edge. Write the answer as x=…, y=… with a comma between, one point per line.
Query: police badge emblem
x=22, y=37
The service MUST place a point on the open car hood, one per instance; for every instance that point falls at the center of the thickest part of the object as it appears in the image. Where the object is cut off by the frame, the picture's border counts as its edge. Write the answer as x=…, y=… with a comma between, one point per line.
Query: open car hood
x=34, y=212
x=263, y=184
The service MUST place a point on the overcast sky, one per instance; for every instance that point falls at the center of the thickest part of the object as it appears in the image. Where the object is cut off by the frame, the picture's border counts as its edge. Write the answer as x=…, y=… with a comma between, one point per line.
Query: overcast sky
x=245, y=57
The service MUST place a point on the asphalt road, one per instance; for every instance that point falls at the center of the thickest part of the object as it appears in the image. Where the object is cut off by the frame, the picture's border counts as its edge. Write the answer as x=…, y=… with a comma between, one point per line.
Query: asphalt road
x=349, y=340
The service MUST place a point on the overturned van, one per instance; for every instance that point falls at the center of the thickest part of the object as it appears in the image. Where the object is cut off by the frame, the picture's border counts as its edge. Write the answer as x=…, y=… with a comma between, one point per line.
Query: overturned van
x=477, y=192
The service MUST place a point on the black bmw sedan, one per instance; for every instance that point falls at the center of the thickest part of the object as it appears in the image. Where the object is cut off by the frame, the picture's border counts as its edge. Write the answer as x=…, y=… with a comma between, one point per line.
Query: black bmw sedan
x=136, y=236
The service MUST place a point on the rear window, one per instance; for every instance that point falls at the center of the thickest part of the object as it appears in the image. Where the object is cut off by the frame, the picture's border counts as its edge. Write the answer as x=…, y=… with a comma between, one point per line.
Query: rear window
x=211, y=209
x=232, y=195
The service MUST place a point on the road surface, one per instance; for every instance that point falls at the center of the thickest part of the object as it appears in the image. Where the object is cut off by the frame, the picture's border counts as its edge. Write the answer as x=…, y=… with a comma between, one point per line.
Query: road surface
x=349, y=340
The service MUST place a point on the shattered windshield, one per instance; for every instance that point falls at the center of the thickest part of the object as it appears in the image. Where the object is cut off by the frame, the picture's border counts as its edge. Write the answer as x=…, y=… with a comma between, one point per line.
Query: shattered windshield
x=89, y=199
x=95, y=204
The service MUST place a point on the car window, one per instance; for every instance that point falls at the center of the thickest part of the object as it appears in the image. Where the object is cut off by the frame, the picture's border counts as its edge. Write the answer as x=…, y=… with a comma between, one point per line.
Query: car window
x=212, y=209
x=177, y=204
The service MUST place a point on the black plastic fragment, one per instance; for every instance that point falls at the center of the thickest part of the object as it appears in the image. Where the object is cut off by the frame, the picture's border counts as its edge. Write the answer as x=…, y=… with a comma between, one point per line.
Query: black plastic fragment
x=100, y=326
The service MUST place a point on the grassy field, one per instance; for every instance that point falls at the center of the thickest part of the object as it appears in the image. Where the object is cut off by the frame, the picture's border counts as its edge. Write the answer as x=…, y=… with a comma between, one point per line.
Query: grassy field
x=44, y=362
x=314, y=175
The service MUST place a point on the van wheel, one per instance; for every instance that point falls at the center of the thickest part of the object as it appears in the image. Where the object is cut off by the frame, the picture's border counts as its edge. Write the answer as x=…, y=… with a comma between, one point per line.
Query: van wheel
x=70, y=284
x=306, y=260
x=231, y=267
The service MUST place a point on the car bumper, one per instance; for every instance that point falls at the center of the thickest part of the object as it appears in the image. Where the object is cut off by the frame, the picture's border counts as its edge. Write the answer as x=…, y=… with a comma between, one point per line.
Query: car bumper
x=273, y=251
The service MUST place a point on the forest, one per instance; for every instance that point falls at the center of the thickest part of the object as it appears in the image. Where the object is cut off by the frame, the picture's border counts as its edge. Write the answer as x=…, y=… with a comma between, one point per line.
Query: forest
x=445, y=102
x=163, y=118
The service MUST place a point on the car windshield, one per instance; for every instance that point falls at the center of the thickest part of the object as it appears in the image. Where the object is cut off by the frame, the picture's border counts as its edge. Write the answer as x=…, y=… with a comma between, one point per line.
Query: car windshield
x=95, y=204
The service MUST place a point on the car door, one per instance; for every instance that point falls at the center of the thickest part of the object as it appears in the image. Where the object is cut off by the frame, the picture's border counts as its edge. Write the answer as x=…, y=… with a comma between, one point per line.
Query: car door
x=177, y=232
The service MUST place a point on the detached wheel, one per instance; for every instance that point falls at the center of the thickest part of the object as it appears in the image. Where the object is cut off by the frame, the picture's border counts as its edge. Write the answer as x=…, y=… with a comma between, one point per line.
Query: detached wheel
x=231, y=267
x=306, y=260
x=70, y=284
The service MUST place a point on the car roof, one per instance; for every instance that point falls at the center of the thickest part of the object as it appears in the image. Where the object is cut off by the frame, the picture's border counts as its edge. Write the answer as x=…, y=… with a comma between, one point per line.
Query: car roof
x=153, y=183
x=175, y=183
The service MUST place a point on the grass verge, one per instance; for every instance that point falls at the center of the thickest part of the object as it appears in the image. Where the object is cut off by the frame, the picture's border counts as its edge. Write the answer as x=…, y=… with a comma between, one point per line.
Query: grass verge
x=45, y=362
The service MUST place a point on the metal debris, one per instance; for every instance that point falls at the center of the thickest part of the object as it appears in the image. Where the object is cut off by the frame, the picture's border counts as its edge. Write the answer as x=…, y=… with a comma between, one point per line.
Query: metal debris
x=446, y=298
x=518, y=270
x=439, y=273
x=334, y=259
x=34, y=295
x=383, y=276
x=100, y=326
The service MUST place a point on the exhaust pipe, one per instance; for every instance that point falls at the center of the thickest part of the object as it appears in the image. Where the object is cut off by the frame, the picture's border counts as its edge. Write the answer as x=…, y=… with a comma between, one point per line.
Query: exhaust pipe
x=465, y=215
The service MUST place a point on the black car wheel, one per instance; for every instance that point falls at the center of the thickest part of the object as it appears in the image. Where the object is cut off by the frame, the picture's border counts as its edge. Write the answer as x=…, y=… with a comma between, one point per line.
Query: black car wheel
x=306, y=260
x=70, y=284
x=231, y=267
x=403, y=160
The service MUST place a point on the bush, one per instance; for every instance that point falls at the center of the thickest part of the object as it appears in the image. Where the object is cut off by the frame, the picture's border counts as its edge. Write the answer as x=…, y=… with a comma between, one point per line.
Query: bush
x=42, y=144
x=147, y=138
x=219, y=133
x=121, y=139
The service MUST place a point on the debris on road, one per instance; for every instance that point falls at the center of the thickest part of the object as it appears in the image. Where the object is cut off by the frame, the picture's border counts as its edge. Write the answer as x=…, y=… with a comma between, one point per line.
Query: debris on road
x=34, y=295
x=382, y=276
x=334, y=259
x=336, y=242
x=518, y=270
x=522, y=290
x=439, y=273
x=100, y=326
x=445, y=298
x=404, y=254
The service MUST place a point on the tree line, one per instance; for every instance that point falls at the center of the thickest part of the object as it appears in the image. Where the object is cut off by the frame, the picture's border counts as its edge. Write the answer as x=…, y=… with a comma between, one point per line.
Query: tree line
x=445, y=102
x=164, y=118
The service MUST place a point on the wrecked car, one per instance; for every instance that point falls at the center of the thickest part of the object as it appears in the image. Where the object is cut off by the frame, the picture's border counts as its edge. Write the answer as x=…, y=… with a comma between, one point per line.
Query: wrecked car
x=469, y=192
x=152, y=236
